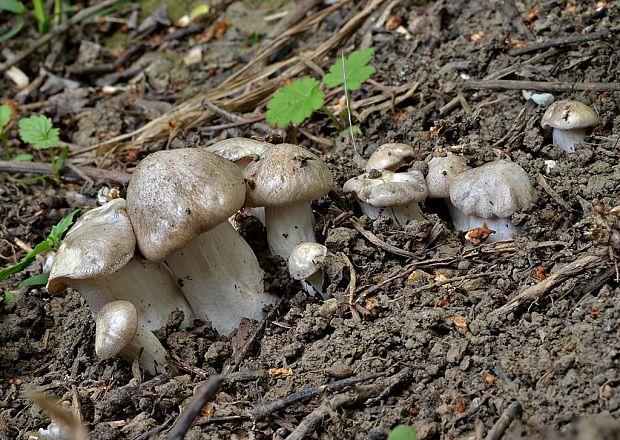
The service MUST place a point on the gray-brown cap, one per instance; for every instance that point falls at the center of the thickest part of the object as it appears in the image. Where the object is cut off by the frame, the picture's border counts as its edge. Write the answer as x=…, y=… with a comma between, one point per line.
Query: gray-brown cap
x=390, y=157
x=495, y=189
x=239, y=150
x=569, y=115
x=100, y=242
x=286, y=174
x=383, y=189
x=175, y=195
x=441, y=172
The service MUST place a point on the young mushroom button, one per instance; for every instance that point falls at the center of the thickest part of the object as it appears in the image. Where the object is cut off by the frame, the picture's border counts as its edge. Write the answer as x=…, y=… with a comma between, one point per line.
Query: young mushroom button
x=491, y=194
x=179, y=202
x=306, y=265
x=390, y=157
x=570, y=121
x=285, y=179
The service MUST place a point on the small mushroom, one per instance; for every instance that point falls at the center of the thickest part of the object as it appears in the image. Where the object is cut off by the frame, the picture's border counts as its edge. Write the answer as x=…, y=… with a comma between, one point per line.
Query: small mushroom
x=96, y=258
x=441, y=172
x=491, y=194
x=285, y=179
x=570, y=121
x=306, y=264
x=390, y=157
x=179, y=201
x=394, y=195
x=117, y=331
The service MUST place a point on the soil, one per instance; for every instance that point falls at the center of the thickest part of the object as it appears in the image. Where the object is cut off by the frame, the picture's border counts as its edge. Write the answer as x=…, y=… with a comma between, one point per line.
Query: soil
x=446, y=362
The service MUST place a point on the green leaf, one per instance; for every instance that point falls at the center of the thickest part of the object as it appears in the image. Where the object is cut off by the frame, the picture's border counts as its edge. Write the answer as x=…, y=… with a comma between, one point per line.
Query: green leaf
x=17, y=268
x=5, y=115
x=12, y=6
x=295, y=102
x=355, y=67
x=38, y=130
x=347, y=131
x=58, y=161
x=59, y=229
x=7, y=296
x=36, y=280
x=31, y=180
x=402, y=432
x=22, y=158
x=14, y=31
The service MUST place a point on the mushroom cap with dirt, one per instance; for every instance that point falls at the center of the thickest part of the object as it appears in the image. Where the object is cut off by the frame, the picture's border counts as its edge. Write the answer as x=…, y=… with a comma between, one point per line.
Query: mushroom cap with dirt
x=441, y=172
x=394, y=195
x=491, y=194
x=285, y=180
x=179, y=202
x=570, y=121
x=117, y=331
x=97, y=259
x=241, y=151
x=306, y=264
x=391, y=157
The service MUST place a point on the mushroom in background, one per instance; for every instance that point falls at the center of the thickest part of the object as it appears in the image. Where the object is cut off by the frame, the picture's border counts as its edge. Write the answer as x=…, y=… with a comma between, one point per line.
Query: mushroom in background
x=179, y=202
x=390, y=157
x=491, y=194
x=305, y=264
x=96, y=258
x=441, y=172
x=117, y=331
x=394, y=195
x=570, y=121
x=285, y=179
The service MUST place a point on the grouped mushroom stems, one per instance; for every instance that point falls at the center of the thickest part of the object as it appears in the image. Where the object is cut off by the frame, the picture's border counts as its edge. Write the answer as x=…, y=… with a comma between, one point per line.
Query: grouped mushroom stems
x=570, y=121
x=179, y=202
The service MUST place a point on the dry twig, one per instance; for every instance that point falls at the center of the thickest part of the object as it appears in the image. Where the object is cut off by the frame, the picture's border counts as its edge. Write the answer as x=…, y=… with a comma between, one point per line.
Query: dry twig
x=512, y=412
x=561, y=41
x=543, y=86
x=77, y=173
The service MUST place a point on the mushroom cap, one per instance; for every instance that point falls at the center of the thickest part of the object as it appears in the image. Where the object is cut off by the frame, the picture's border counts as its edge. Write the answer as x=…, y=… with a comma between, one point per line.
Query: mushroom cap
x=390, y=157
x=388, y=188
x=495, y=189
x=441, y=172
x=306, y=259
x=100, y=242
x=175, y=195
x=285, y=174
x=568, y=115
x=115, y=327
x=237, y=149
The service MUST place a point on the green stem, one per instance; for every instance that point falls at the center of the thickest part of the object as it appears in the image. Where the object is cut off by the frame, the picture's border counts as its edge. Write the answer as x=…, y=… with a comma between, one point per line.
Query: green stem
x=5, y=145
x=333, y=117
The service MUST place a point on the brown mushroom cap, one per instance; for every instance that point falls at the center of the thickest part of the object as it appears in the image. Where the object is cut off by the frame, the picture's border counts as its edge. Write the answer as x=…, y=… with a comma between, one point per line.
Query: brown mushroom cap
x=390, y=157
x=441, y=172
x=285, y=174
x=103, y=237
x=495, y=189
x=237, y=149
x=569, y=115
x=388, y=188
x=175, y=195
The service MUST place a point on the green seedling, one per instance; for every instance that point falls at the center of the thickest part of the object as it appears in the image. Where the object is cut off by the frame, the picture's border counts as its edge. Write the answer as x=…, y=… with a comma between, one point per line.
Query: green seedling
x=402, y=432
x=5, y=118
x=39, y=131
x=52, y=243
x=295, y=103
x=43, y=19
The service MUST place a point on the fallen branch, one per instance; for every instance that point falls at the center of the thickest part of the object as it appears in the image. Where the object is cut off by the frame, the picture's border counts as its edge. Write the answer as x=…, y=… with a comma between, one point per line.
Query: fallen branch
x=543, y=86
x=80, y=173
x=537, y=291
x=560, y=41
x=511, y=413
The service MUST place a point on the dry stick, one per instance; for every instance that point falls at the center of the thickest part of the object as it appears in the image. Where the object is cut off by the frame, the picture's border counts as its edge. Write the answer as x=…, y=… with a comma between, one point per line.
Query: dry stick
x=514, y=16
x=205, y=394
x=291, y=18
x=240, y=123
x=263, y=411
x=544, y=86
x=56, y=31
x=554, y=195
x=44, y=168
x=108, y=67
x=378, y=242
x=561, y=41
x=265, y=129
x=537, y=291
x=512, y=412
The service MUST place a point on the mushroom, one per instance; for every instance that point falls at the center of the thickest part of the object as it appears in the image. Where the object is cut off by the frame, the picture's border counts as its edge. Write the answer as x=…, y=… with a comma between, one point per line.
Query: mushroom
x=117, y=331
x=441, y=172
x=390, y=157
x=285, y=179
x=178, y=202
x=97, y=259
x=570, y=121
x=491, y=194
x=394, y=195
x=306, y=264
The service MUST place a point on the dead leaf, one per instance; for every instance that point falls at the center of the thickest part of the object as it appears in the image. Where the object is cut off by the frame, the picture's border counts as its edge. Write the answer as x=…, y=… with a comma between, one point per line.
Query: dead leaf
x=479, y=235
x=540, y=273
x=276, y=372
x=460, y=322
x=490, y=379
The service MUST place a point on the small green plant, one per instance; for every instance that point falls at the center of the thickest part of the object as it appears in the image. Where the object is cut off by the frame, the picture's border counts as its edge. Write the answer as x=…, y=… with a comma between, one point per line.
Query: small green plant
x=39, y=131
x=52, y=243
x=402, y=432
x=43, y=19
x=5, y=118
x=296, y=102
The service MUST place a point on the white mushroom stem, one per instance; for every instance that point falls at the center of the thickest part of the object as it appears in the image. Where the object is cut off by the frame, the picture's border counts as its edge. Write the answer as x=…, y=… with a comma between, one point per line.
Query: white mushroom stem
x=147, y=285
x=287, y=226
x=459, y=219
x=503, y=227
x=401, y=214
x=567, y=139
x=152, y=355
x=314, y=284
x=221, y=278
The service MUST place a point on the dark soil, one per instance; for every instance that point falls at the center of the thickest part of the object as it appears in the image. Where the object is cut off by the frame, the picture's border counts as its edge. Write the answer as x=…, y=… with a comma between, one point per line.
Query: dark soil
x=448, y=365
